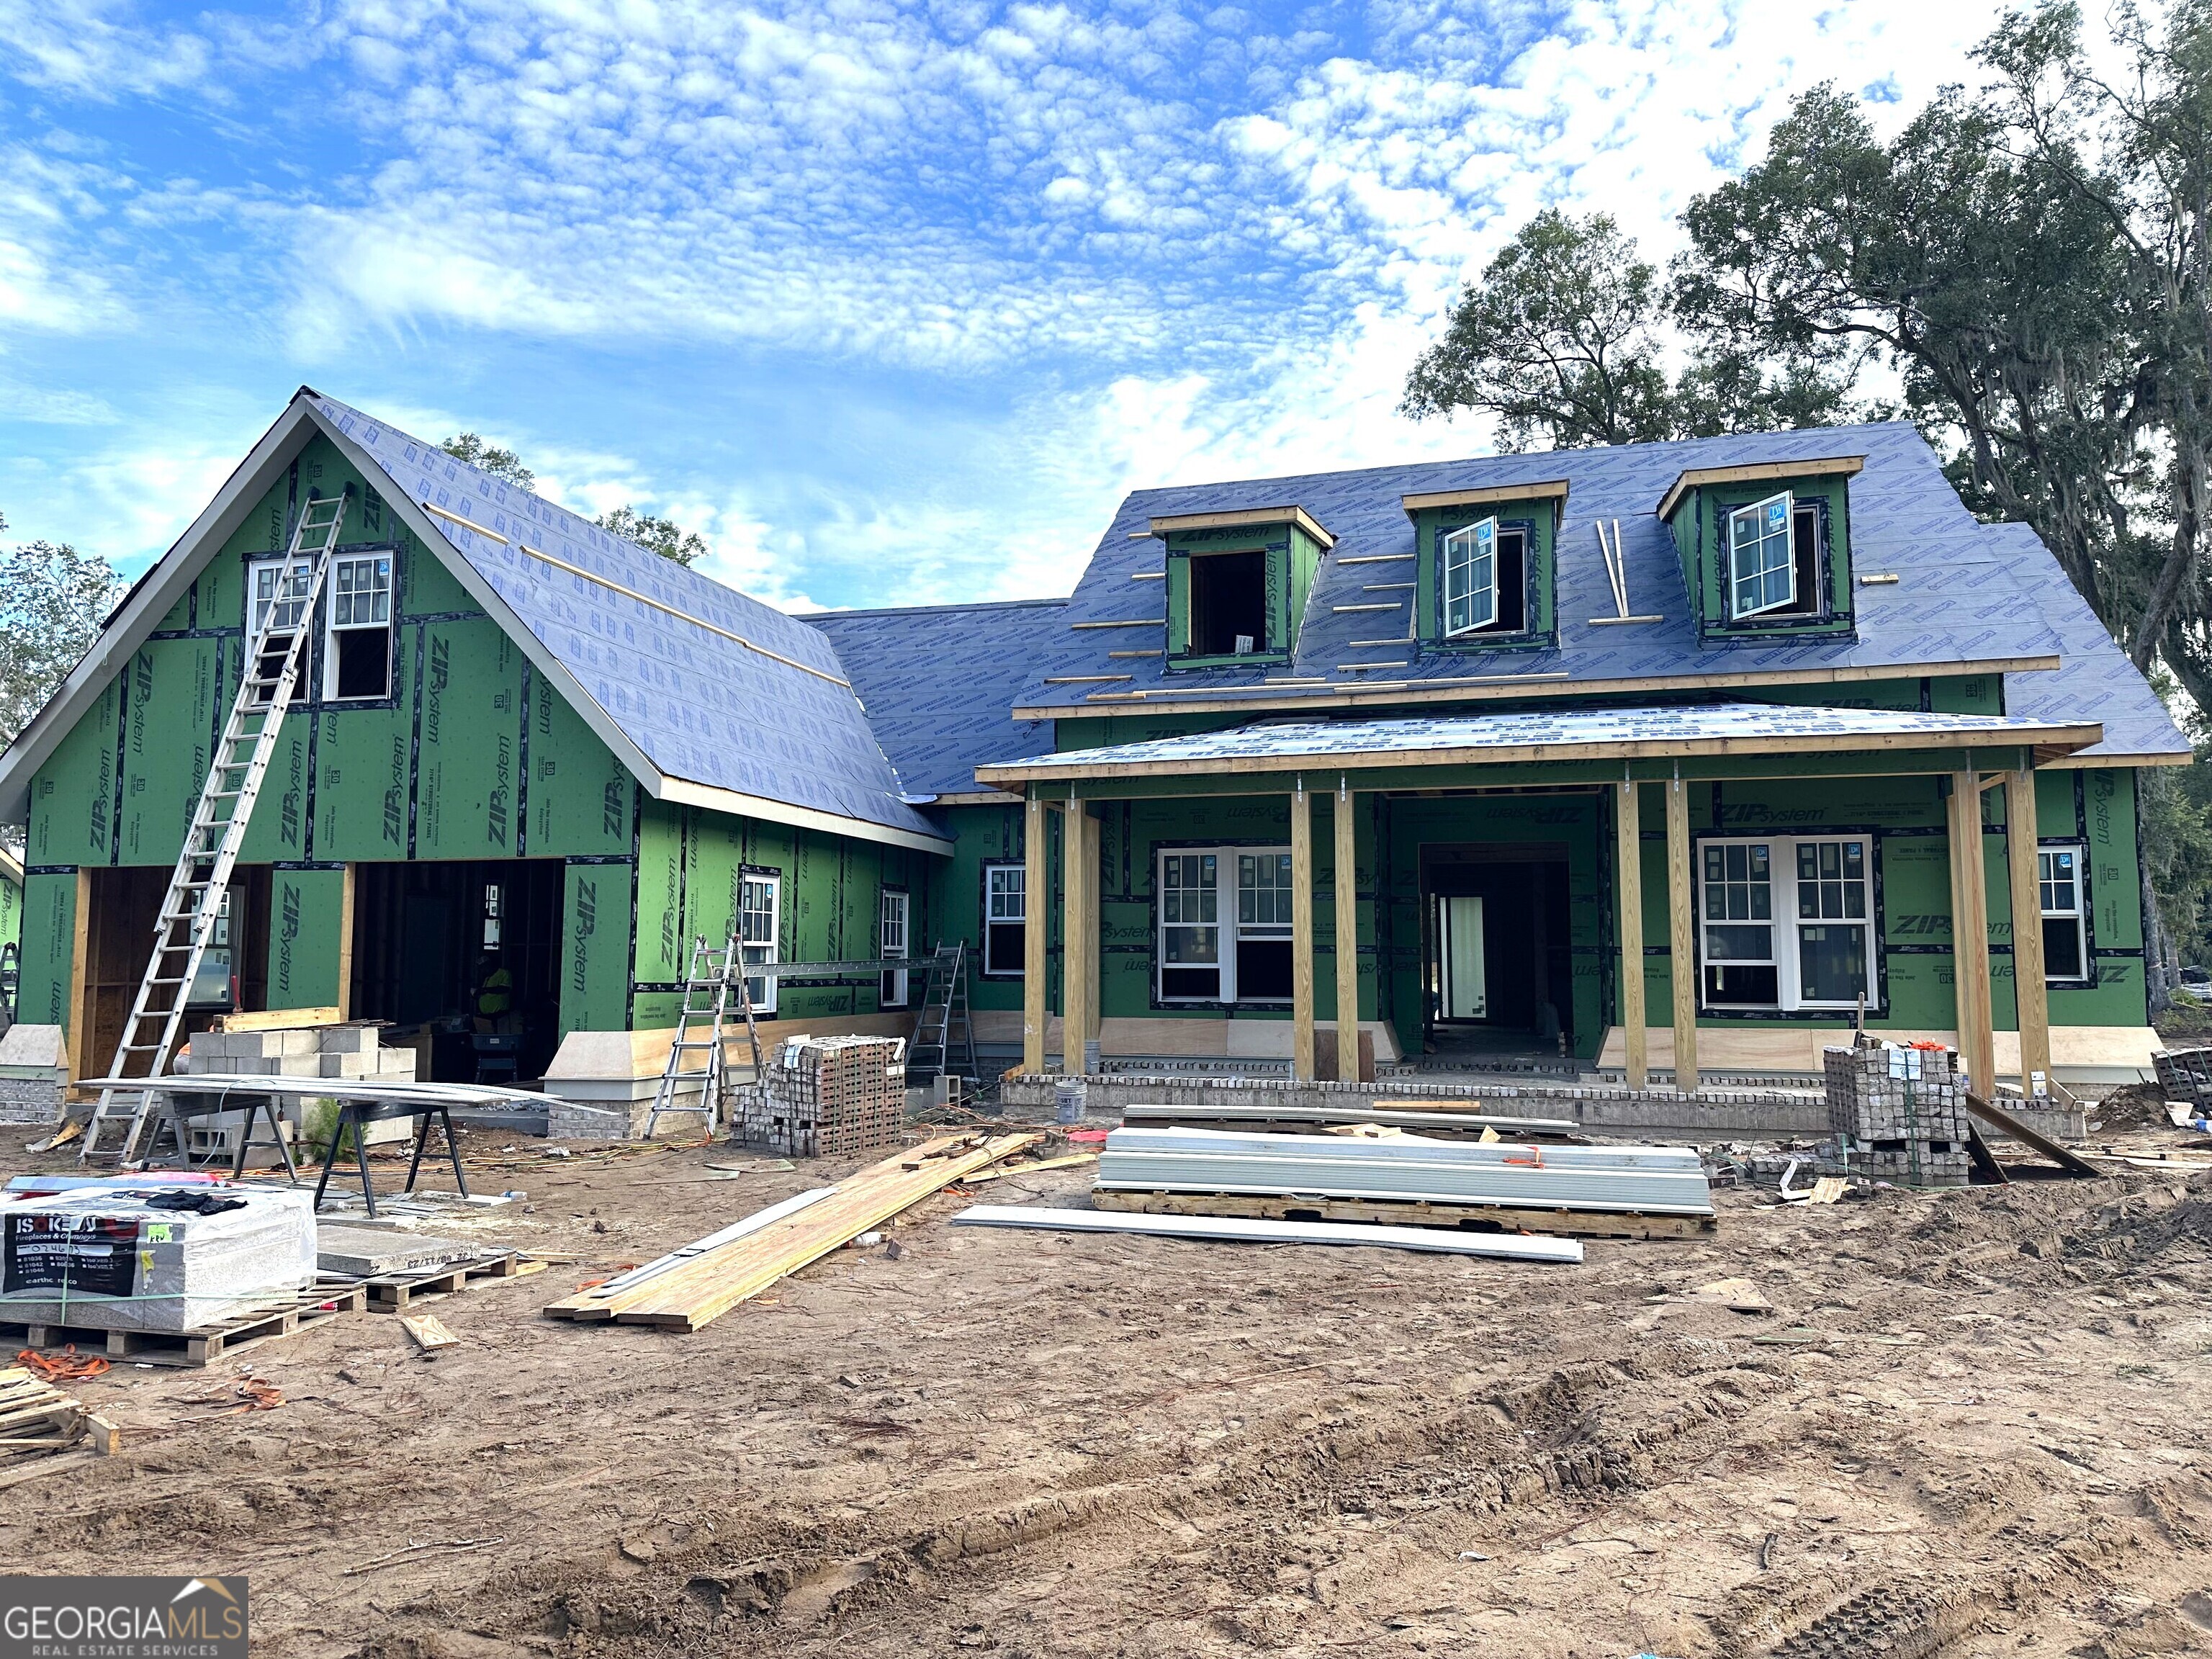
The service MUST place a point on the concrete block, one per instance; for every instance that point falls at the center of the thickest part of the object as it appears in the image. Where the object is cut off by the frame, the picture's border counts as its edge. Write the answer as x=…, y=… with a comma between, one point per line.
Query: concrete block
x=347, y=1040
x=342, y=1063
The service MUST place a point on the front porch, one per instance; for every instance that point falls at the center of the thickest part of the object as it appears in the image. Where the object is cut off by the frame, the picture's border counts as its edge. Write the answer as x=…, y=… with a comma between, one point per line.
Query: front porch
x=1523, y=887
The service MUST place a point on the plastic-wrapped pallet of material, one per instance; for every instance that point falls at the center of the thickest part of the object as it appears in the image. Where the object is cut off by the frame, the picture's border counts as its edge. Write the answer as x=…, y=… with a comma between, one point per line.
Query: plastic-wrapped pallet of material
x=129, y=1258
x=1899, y=1113
x=829, y=1098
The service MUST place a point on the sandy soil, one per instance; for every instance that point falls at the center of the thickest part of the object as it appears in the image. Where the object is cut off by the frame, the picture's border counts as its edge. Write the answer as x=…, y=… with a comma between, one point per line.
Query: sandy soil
x=1028, y=1445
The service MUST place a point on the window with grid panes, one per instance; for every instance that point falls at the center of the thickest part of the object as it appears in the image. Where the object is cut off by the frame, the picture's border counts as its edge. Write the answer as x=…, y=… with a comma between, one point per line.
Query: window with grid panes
x=360, y=609
x=1006, y=918
x=759, y=902
x=1832, y=920
x=2059, y=871
x=1190, y=928
x=1817, y=953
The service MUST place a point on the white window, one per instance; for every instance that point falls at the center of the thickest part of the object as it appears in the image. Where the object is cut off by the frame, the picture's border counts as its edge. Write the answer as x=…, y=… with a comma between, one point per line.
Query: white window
x=1241, y=955
x=759, y=907
x=359, y=650
x=1006, y=918
x=2060, y=871
x=1762, y=556
x=1471, y=578
x=891, y=946
x=1813, y=950
x=277, y=598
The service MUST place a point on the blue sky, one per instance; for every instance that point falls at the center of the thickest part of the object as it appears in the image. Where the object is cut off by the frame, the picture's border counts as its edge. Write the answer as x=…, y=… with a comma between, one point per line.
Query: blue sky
x=892, y=302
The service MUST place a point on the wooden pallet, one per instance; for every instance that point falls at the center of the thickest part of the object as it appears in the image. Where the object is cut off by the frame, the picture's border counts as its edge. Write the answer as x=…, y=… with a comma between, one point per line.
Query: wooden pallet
x=397, y=1292
x=202, y=1346
x=36, y=1418
x=1409, y=1213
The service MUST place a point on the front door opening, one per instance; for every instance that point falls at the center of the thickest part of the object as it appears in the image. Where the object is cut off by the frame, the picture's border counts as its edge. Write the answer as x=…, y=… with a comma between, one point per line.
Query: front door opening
x=464, y=960
x=1498, y=971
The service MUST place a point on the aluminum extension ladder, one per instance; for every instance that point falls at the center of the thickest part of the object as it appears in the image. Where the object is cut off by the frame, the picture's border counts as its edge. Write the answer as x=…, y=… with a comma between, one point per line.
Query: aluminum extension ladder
x=718, y=976
x=943, y=1031
x=276, y=653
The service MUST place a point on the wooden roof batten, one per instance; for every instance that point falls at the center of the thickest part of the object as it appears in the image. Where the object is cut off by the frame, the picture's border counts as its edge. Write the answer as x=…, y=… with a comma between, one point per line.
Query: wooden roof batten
x=1242, y=518
x=1696, y=478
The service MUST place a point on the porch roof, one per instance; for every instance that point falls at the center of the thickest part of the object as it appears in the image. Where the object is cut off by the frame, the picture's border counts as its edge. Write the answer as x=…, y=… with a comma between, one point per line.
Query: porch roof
x=1578, y=734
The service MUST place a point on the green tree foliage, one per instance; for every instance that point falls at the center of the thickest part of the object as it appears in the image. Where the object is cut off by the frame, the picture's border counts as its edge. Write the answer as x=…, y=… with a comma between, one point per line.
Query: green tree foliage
x=655, y=534
x=53, y=602
x=502, y=464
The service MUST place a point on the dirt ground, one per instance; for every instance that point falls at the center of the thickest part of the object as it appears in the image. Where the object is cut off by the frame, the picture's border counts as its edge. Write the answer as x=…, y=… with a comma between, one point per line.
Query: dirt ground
x=1024, y=1443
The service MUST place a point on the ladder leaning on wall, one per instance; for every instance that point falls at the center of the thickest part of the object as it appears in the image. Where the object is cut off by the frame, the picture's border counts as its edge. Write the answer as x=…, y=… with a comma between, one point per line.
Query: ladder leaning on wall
x=717, y=981
x=276, y=655
x=944, y=1033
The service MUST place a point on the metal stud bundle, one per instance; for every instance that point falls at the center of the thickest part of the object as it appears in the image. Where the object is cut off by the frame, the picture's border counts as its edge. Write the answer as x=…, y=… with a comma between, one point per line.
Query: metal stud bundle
x=1899, y=1113
x=829, y=1098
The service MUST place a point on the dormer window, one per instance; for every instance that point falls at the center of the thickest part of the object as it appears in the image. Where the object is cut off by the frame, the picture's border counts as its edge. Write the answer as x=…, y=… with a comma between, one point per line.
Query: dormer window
x=1486, y=580
x=1481, y=567
x=1229, y=603
x=1236, y=583
x=1765, y=548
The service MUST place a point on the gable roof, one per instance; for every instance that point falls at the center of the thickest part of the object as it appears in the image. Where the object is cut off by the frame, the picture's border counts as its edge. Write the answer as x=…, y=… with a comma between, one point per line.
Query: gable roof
x=939, y=681
x=707, y=696
x=1954, y=608
x=2095, y=678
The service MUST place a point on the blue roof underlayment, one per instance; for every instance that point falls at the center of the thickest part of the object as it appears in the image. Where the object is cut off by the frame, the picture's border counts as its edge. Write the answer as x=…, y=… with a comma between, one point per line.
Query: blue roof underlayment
x=1565, y=729
x=699, y=706
x=2094, y=679
x=1955, y=601
x=939, y=680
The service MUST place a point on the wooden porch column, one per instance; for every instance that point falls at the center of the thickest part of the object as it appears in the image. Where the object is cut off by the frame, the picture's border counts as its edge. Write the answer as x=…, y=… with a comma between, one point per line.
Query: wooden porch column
x=1970, y=933
x=2031, y=991
x=345, y=943
x=1078, y=865
x=1347, y=939
x=1036, y=916
x=1301, y=935
x=1628, y=897
x=1682, y=942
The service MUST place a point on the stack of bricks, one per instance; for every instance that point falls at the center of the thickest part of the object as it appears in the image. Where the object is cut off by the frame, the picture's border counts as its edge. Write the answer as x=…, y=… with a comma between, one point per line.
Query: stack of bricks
x=829, y=1098
x=333, y=1051
x=1899, y=1115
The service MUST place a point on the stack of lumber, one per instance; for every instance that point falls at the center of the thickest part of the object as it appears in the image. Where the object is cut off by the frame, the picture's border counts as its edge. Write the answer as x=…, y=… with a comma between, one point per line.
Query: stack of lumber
x=1403, y=1168
x=694, y=1286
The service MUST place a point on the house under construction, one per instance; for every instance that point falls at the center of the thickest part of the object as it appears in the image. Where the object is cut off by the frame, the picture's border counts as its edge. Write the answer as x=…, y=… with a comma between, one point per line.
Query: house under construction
x=1681, y=756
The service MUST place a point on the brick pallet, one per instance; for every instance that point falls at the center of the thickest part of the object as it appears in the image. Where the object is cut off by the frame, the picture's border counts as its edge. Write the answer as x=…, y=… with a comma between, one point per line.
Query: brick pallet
x=1899, y=1113
x=829, y=1098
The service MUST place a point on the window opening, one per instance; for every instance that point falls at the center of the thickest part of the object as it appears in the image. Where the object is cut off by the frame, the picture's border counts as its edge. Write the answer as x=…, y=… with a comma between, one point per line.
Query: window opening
x=1822, y=957
x=269, y=585
x=1190, y=928
x=1005, y=916
x=492, y=905
x=2065, y=913
x=1228, y=603
x=892, y=944
x=359, y=650
x=759, y=904
x=1263, y=927
x=1762, y=557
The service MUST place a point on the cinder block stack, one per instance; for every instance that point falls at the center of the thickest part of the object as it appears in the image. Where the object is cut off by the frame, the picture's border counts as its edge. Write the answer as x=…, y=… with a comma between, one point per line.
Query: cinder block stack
x=1899, y=1113
x=333, y=1051
x=829, y=1098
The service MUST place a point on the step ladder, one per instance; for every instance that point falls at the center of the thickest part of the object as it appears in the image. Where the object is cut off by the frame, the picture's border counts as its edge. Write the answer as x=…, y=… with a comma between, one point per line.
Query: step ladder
x=717, y=982
x=943, y=1034
x=276, y=656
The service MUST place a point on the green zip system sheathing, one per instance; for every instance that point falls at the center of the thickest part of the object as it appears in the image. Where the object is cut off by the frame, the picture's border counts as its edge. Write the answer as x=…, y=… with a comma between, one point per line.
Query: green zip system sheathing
x=473, y=757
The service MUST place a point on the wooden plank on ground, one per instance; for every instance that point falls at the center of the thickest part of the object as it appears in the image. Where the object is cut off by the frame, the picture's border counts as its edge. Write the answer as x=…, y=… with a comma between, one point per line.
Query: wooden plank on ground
x=2020, y=1132
x=428, y=1331
x=698, y=1291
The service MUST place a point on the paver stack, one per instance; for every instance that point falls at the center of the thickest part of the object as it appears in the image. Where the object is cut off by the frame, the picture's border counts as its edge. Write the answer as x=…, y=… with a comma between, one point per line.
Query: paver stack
x=1899, y=1113
x=829, y=1098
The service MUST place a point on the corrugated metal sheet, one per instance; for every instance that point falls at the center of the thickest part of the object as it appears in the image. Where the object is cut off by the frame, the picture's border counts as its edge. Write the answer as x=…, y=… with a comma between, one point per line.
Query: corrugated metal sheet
x=1236, y=1230
x=1956, y=601
x=699, y=705
x=940, y=683
x=1642, y=1180
x=1557, y=727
